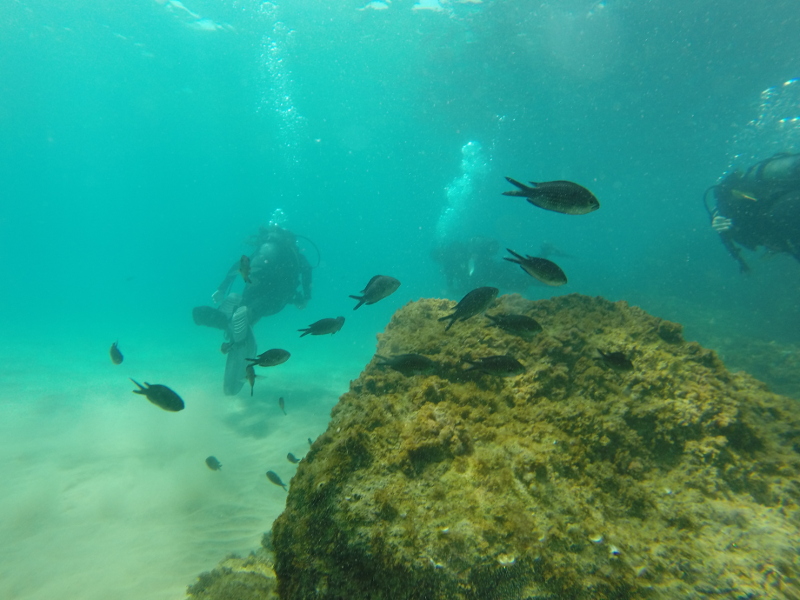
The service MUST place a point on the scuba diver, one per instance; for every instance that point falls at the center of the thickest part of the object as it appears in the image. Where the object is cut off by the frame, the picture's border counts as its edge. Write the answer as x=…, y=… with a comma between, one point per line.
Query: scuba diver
x=275, y=275
x=760, y=207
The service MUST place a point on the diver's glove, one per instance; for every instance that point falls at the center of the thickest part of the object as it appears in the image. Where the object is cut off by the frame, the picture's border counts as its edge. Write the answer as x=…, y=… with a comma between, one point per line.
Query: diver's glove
x=721, y=224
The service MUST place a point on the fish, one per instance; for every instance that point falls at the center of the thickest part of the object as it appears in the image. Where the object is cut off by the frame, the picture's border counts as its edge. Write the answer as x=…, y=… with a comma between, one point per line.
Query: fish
x=160, y=395
x=282, y=404
x=502, y=365
x=274, y=478
x=213, y=464
x=250, y=375
x=244, y=268
x=407, y=364
x=559, y=196
x=323, y=327
x=310, y=443
x=542, y=269
x=475, y=302
x=378, y=288
x=520, y=325
x=271, y=358
x=616, y=360
x=292, y=458
x=116, y=355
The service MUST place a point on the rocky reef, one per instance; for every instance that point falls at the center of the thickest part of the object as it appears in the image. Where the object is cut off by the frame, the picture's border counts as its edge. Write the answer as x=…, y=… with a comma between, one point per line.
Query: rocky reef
x=676, y=479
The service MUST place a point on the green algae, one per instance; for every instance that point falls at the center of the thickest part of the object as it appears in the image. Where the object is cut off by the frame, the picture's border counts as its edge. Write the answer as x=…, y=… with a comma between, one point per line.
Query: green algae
x=678, y=479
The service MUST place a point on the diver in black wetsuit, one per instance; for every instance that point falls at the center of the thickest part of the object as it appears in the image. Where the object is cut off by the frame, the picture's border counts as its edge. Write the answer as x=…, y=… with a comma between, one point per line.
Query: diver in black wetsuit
x=759, y=208
x=279, y=275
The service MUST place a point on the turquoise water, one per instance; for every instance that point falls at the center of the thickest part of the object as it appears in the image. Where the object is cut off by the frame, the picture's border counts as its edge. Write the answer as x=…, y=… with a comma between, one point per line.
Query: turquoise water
x=144, y=141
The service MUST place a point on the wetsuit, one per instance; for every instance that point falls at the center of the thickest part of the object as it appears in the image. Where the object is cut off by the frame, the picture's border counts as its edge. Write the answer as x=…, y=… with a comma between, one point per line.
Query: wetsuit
x=763, y=206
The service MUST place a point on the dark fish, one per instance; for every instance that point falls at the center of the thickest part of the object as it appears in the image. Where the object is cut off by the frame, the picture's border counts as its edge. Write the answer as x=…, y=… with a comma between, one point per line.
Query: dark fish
x=244, y=268
x=226, y=347
x=270, y=358
x=282, y=404
x=160, y=395
x=323, y=326
x=542, y=269
x=273, y=477
x=475, y=302
x=116, y=355
x=292, y=458
x=378, y=288
x=310, y=443
x=407, y=364
x=616, y=360
x=503, y=365
x=213, y=464
x=250, y=375
x=559, y=196
x=515, y=324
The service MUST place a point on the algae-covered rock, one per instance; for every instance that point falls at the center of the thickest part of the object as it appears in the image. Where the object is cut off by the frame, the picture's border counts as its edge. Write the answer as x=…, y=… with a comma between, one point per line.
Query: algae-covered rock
x=235, y=578
x=677, y=479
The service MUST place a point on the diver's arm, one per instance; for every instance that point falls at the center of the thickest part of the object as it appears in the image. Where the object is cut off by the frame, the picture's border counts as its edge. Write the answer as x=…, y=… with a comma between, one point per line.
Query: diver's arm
x=734, y=251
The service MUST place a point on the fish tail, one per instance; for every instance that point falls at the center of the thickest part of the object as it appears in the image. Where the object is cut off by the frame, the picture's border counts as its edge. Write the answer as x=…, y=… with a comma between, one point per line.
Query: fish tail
x=520, y=192
x=305, y=332
x=141, y=387
x=514, y=254
x=361, y=300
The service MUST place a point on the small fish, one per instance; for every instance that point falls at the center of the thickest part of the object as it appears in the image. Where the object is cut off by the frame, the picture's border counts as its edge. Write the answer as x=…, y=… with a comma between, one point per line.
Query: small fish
x=160, y=395
x=542, y=269
x=250, y=375
x=271, y=358
x=116, y=355
x=292, y=458
x=559, y=196
x=282, y=404
x=407, y=364
x=515, y=324
x=310, y=443
x=503, y=365
x=244, y=268
x=273, y=477
x=323, y=326
x=616, y=360
x=213, y=464
x=475, y=302
x=377, y=288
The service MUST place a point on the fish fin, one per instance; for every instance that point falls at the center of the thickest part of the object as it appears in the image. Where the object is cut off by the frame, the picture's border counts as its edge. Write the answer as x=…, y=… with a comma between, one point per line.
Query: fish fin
x=514, y=254
x=305, y=332
x=533, y=183
x=141, y=389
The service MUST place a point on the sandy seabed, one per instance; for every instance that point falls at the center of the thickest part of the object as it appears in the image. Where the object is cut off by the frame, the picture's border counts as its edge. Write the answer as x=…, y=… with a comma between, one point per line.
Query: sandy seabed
x=106, y=495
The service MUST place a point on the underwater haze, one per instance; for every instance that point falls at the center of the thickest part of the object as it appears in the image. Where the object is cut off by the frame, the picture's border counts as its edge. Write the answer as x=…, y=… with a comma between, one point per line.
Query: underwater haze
x=144, y=142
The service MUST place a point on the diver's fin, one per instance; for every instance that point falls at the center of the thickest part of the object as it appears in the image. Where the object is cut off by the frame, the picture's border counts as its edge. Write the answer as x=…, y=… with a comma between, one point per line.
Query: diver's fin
x=209, y=317
x=236, y=363
x=240, y=324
